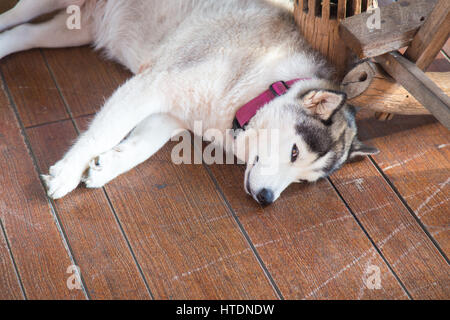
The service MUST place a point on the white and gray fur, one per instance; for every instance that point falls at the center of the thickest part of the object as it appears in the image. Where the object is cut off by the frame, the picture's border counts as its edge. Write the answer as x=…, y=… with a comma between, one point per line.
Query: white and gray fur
x=195, y=60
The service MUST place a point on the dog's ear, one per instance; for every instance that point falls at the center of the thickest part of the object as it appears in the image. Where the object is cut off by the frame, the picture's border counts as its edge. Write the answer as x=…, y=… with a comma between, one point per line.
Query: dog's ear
x=359, y=149
x=323, y=103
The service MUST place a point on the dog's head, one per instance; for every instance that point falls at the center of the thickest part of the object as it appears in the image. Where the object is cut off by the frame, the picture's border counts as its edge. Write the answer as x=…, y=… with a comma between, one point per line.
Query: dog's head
x=304, y=135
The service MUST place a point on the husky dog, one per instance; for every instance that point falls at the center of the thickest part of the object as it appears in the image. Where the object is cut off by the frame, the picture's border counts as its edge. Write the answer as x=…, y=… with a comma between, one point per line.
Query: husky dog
x=197, y=60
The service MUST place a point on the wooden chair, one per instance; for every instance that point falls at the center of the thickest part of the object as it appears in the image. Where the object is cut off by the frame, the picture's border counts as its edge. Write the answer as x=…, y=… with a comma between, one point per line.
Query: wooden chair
x=318, y=22
x=386, y=81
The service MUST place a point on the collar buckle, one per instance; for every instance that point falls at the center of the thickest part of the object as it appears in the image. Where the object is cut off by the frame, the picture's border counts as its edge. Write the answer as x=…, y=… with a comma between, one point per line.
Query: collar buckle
x=278, y=88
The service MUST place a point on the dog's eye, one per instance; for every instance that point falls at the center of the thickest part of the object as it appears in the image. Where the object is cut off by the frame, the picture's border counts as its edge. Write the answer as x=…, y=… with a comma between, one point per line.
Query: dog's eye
x=295, y=153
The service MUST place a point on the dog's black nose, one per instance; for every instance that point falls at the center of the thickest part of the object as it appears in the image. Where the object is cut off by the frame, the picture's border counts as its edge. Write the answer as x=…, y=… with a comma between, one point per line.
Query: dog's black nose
x=265, y=197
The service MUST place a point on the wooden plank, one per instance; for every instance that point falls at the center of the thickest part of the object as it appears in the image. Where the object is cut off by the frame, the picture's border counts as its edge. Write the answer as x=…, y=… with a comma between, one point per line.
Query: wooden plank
x=431, y=37
x=184, y=237
x=356, y=7
x=36, y=243
x=308, y=240
x=326, y=10
x=342, y=9
x=312, y=8
x=408, y=250
x=418, y=84
x=9, y=282
x=85, y=79
x=415, y=158
x=399, y=24
x=98, y=245
x=32, y=86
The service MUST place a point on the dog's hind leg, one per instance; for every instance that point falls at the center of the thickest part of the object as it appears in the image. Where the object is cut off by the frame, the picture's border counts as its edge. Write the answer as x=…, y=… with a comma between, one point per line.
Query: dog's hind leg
x=50, y=34
x=26, y=10
x=145, y=140
x=139, y=98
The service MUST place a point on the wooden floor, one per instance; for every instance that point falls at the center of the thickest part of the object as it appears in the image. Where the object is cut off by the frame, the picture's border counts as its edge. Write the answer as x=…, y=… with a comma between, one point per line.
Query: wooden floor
x=164, y=231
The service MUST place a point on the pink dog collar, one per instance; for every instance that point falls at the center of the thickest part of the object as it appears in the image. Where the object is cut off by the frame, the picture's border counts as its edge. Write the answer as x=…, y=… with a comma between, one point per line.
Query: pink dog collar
x=248, y=110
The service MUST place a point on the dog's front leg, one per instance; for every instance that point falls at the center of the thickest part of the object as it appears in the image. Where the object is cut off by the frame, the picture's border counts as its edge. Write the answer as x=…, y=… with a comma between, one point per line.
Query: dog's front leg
x=146, y=139
x=134, y=101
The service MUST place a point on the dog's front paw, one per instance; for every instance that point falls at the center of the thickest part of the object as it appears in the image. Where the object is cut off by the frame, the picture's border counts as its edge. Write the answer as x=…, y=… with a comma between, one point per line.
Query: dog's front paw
x=62, y=179
x=101, y=170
